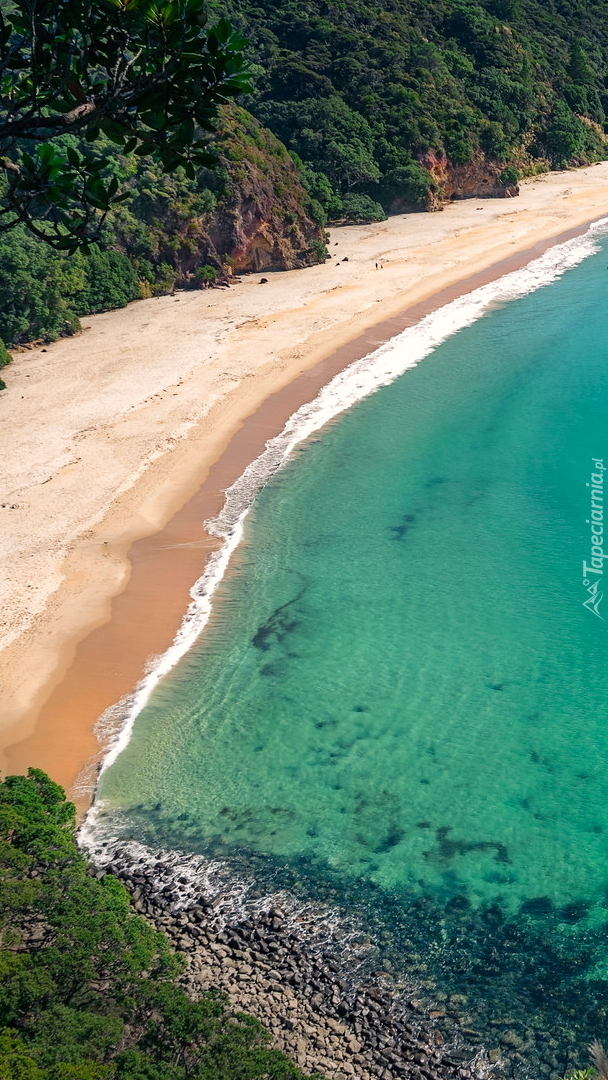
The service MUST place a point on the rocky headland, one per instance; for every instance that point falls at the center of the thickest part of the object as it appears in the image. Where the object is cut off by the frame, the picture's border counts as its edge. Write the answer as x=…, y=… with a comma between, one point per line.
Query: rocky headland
x=292, y=972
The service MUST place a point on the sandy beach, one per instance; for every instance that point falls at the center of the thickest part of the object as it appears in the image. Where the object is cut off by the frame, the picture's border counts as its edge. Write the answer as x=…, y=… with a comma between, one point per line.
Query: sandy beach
x=117, y=444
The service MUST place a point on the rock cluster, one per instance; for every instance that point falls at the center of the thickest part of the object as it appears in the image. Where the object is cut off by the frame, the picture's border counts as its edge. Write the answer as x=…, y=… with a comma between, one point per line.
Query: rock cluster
x=322, y=1015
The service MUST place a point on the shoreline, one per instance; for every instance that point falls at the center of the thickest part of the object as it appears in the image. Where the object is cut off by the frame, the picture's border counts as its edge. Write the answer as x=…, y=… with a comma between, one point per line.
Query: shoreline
x=316, y=972
x=138, y=562
x=323, y=993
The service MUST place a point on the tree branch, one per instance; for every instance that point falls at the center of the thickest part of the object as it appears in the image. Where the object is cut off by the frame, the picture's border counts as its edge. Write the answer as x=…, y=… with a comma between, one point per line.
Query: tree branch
x=10, y=167
x=79, y=113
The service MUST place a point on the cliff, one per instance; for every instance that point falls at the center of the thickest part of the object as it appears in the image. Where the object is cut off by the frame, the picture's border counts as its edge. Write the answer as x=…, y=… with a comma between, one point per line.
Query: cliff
x=249, y=212
x=263, y=223
x=365, y=92
x=478, y=178
x=258, y=218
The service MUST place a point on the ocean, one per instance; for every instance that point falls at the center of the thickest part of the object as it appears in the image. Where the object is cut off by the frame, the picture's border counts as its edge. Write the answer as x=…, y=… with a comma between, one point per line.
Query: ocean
x=399, y=703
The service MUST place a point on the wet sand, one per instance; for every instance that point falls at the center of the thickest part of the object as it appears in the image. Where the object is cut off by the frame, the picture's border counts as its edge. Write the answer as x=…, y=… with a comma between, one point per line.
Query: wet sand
x=117, y=529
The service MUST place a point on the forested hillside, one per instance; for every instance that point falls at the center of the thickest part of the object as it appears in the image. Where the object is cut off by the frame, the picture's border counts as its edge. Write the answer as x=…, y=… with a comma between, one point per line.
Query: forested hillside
x=384, y=106
x=88, y=989
x=385, y=100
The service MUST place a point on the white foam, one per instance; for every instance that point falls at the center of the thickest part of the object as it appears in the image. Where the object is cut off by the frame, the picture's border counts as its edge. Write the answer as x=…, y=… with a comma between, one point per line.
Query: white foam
x=363, y=377
x=234, y=897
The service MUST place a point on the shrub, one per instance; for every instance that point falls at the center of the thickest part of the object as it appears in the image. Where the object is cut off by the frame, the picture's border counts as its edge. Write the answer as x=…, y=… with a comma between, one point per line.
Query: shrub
x=111, y=282
x=319, y=250
x=5, y=356
x=37, y=289
x=564, y=135
x=509, y=176
x=409, y=183
x=360, y=209
x=206, y=274
x=165, y=278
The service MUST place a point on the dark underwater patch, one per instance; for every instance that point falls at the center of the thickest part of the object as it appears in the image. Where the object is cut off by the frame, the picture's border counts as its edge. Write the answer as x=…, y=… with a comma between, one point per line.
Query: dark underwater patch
x=539, y=906
x=497, y=972
x=393, y=837
x=573, y=913
x=448, y=848
x=401, y=530
x=278, y=625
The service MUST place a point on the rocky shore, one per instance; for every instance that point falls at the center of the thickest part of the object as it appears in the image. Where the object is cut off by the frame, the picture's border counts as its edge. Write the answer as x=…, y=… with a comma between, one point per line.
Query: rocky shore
x=320, y=1008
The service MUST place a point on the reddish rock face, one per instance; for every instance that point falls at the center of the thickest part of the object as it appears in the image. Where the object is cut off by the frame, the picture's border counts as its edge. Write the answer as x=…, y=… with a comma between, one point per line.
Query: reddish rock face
x=260, y=221
x=251, y=228
x=477, y=178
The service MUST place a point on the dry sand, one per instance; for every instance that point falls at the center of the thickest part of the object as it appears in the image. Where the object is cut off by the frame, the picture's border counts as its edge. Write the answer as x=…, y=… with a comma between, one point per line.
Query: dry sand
x=104, y=437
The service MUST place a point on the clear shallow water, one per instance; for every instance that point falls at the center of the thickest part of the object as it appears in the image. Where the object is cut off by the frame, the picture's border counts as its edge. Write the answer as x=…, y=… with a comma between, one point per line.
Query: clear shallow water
x=401, y=699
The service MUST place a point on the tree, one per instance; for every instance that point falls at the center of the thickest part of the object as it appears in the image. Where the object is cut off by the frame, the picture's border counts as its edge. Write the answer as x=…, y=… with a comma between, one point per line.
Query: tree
x=408, y=183
x=327, y=131
x=147, y=73
x=578, y=67
x=88, y=989
x=360, y=209
x=564, y=134
x=503, y=9
x=5, y=357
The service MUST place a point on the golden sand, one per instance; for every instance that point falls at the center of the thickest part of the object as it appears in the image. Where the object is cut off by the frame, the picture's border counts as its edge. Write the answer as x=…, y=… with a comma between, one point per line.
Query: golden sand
x=117, y=444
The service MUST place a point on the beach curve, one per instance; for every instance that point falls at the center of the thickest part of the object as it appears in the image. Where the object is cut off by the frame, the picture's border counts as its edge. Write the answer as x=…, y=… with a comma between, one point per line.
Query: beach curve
x=89, y=471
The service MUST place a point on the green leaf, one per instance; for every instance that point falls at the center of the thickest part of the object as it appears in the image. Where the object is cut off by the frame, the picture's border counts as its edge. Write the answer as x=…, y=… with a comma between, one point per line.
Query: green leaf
x=222, y=30
x=46, y=153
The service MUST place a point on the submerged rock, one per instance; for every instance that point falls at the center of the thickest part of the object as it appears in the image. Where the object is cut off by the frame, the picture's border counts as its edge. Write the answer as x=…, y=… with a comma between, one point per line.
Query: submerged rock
x=319, y=1008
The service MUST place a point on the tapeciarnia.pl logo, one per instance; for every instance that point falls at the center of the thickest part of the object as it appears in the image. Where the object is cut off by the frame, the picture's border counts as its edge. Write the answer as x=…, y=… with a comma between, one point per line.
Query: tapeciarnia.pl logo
x=593, y=571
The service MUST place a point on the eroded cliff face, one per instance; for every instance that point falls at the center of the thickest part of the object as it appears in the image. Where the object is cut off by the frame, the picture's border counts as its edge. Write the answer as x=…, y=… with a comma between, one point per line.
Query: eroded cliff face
x=260, y=221
x=477, y=178
x=263, y=225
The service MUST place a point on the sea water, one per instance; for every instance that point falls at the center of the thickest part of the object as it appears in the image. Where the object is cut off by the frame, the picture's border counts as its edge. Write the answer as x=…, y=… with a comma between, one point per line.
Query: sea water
x=401, y=698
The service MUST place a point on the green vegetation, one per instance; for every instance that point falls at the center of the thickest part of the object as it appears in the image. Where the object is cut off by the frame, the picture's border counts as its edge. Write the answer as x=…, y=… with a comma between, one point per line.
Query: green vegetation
x=5, y=358
x=205, y=275
x=509, y=176
x=145, y=74
x=373, y=101
x=171, y=229
x=45, y=291
x=597, y=1071
x=87, y=989
x=363, y=91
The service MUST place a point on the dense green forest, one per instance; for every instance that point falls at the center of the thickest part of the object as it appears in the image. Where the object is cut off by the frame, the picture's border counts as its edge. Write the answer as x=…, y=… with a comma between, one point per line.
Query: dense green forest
x=379, y=104
x=87, y=988
x=364, y=90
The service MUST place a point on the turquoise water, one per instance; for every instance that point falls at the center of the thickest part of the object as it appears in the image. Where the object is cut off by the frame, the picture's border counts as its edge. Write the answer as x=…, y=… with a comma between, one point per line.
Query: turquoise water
x=401, y=694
